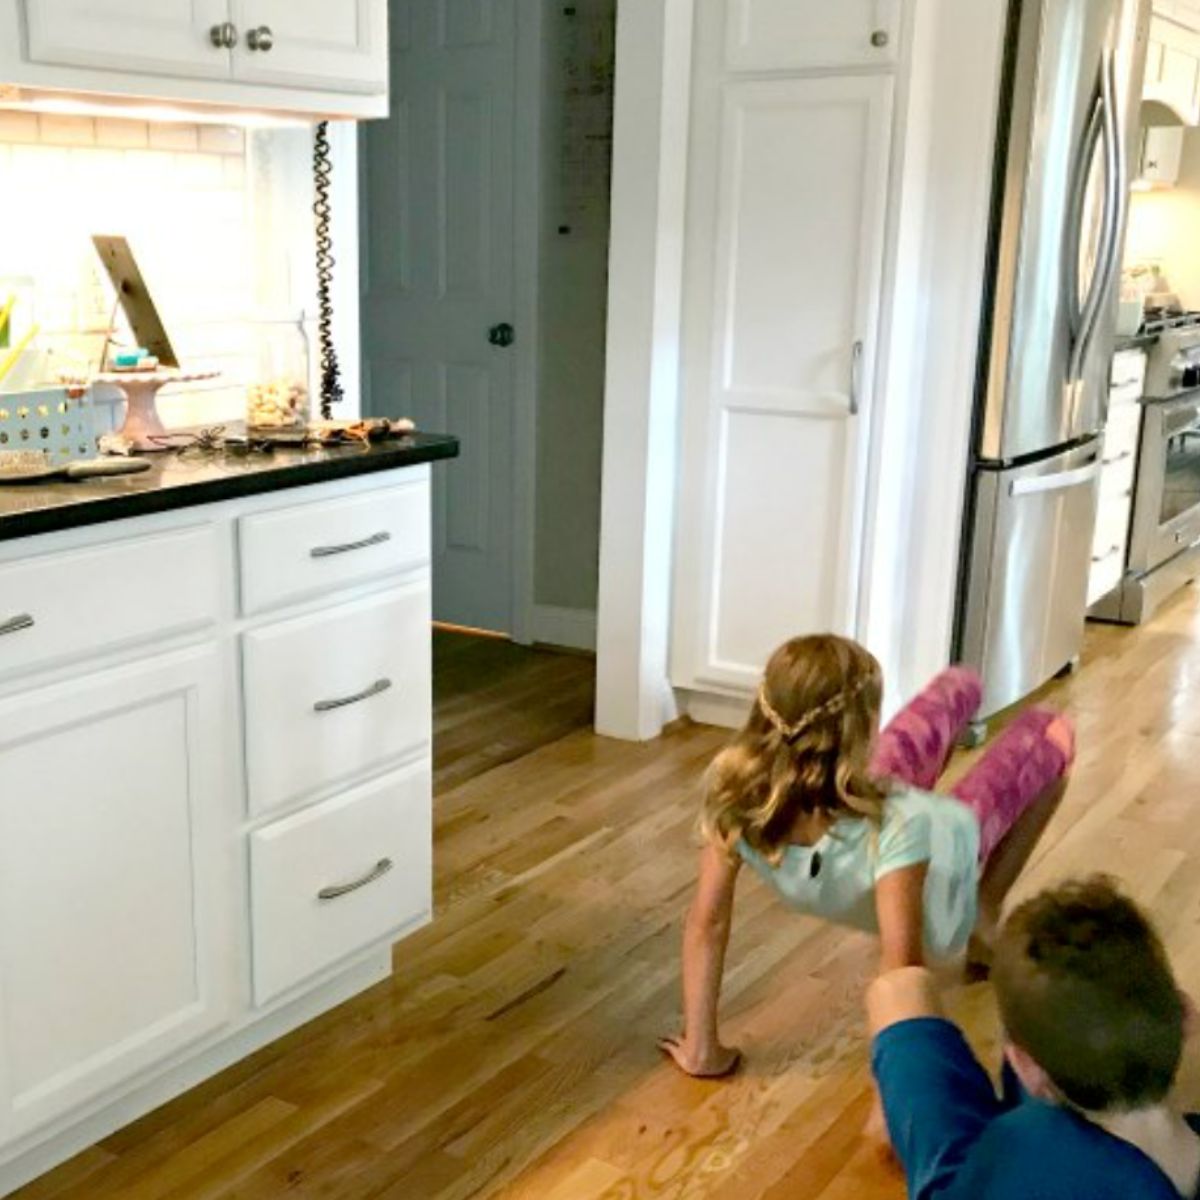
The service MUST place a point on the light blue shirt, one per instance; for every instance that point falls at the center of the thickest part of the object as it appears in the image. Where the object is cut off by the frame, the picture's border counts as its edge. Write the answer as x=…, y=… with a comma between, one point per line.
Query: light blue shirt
x=835, y=878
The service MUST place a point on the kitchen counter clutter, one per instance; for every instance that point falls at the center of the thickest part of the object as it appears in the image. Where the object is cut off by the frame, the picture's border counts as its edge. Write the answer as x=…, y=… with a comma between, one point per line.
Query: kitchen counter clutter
x=178, y=480
x=215, y=773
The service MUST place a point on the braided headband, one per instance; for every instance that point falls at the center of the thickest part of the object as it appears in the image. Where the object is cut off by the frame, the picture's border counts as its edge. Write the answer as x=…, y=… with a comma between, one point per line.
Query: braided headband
x=831, y=707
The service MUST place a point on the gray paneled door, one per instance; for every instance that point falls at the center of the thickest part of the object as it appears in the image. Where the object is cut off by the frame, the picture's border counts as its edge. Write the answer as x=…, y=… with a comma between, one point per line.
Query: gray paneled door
x=438, y=288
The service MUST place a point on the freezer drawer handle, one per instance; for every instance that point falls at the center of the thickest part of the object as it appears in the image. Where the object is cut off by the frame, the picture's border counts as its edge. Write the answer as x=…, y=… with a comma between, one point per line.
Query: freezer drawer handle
x=374, y=540
x=382, y=867
x=380, y=685
x=16, y=624
x=1054, y=483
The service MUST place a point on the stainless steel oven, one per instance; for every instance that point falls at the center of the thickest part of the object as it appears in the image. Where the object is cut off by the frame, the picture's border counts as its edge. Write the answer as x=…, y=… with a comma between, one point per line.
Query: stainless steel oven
x=1166, y=506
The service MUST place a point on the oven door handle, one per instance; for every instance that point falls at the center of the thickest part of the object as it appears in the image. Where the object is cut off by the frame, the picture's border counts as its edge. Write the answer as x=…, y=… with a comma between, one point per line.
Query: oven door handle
x=1033, y=484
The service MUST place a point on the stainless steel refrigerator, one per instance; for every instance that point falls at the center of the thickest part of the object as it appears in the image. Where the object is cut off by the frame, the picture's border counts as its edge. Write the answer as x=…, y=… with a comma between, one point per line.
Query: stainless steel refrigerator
x=1068, y=120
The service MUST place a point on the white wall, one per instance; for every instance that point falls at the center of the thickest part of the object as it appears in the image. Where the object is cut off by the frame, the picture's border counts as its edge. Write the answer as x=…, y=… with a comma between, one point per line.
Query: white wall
x=1164, y=226
x=220, y=220
x=577, y=56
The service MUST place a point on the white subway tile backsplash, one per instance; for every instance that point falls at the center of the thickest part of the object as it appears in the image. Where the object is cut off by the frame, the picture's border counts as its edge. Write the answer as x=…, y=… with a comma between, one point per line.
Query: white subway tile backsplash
x=66, y=131
x=222, y=139
x=118, y=134
x=169, y=136
x=18, y=127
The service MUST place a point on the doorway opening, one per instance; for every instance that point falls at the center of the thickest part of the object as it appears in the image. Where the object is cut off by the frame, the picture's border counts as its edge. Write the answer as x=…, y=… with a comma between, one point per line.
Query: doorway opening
x=484, y=242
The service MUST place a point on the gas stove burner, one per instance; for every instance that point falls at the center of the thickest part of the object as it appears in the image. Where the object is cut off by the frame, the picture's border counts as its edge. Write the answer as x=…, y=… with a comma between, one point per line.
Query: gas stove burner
x=1158, y=320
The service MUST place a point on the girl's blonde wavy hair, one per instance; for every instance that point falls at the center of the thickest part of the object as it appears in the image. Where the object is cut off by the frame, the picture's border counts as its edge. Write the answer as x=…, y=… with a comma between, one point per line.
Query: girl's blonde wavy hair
x=804, y=749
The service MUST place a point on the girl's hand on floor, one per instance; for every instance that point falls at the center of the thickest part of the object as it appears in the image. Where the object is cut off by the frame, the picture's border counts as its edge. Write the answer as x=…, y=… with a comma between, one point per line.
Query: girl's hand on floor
x=702, y=1063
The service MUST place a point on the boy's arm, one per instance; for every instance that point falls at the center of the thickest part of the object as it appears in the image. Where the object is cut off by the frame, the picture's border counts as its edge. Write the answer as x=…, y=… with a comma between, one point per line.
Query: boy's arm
x=705, y=937
x=937, y=1099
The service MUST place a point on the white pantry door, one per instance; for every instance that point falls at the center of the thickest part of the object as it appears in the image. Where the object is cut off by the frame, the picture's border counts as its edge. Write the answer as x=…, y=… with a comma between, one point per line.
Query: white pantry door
x=783, y=275
x=438, y=287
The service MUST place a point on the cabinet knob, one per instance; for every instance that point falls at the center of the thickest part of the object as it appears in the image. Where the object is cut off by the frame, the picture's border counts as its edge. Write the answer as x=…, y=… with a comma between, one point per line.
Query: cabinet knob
x=224, y=36
x=880, y=38
x=261, y=38
x=502, y=334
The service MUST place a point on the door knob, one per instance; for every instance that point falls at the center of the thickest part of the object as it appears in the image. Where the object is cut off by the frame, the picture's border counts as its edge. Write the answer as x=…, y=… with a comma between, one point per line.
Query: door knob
x=261, y=38
x=502, y=334
x=879, y=38
x=224, y=36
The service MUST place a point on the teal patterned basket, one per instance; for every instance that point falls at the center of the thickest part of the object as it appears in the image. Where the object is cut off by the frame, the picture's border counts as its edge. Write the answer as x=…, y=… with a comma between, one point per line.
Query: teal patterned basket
x=56, y=420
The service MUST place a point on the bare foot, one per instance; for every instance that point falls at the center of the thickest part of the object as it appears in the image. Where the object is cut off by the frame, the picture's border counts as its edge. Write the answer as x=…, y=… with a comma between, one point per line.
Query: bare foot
x=701, y=1063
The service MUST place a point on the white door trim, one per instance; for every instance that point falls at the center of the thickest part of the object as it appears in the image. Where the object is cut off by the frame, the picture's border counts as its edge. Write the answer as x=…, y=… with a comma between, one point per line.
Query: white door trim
x=642, y=358
x=527, y=219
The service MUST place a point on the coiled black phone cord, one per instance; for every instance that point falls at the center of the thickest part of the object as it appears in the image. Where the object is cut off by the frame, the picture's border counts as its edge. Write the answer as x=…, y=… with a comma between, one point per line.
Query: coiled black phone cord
x=331, y=382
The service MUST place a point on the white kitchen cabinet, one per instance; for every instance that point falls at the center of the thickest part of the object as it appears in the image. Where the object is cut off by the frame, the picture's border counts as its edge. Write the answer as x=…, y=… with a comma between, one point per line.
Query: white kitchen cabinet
x=308, y=56
x=1162, y=153
x=312, y=43
x=1173, y=66
x=783, y=274
x=157, y=925
x=116, y=888
x=775, y=34
x=156, y=36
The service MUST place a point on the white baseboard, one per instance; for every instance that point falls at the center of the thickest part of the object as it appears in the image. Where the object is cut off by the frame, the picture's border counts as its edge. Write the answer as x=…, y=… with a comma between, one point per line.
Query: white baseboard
x=712, y=708
x=574, y=628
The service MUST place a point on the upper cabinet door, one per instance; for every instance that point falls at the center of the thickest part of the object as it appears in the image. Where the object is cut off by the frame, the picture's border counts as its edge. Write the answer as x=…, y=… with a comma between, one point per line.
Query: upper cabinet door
x=157, y=37
x=312, y=43
x=797, y=34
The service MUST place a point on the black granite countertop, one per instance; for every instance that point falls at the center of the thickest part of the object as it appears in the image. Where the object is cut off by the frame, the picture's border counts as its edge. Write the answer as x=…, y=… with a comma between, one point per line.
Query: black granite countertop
x=182, y=480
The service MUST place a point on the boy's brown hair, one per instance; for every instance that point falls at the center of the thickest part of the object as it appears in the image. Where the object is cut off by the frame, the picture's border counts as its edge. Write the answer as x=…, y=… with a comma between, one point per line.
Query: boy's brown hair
x=1085, y=989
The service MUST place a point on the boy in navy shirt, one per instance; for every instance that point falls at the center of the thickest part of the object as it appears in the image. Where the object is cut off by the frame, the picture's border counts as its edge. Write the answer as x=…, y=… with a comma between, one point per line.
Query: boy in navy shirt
x=1094, y=1028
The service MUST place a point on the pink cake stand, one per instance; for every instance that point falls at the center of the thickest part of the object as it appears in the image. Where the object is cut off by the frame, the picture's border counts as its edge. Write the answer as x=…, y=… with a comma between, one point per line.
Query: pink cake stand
x=142, y=422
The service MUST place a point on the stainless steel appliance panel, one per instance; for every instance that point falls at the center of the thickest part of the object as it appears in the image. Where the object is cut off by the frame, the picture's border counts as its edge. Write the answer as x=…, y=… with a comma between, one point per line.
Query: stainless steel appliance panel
x=1028, y=574
x=1166, y=504
x=1074, y=116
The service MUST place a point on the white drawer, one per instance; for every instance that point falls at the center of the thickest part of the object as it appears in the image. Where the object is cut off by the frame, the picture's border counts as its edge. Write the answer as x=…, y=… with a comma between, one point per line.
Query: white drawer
x=1122, y=431
x=1116, y=477
x=1105, y=574
x=340, y=877
x=331, y=694
x=306, y=549
x=1128, y=367
x=59, y=608
x=1112, y=526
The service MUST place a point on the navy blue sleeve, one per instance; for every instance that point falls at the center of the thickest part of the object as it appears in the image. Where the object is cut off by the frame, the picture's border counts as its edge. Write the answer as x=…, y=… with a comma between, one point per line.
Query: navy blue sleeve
x=937, y=1099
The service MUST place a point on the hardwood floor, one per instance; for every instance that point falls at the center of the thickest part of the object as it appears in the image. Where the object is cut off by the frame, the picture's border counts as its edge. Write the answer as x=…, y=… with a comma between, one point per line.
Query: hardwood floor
x=511, y=1055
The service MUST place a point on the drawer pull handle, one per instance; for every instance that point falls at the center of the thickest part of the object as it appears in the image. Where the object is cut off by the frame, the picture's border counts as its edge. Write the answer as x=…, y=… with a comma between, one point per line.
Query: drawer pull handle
x=1116, y=458
x=380, y=685
x=382, y=867
x=16, y=624
x=1099, y=558
x=375, y=539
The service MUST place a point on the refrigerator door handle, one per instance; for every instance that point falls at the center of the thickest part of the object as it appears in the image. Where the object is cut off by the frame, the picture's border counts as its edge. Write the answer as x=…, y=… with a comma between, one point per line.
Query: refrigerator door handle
x=1073, y=246
x=1114, y=201
x=1033, y=484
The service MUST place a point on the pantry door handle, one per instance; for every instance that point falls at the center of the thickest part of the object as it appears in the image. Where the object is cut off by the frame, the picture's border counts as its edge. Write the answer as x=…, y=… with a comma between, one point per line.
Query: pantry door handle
x=376, y=539
x=16, y=624
x=382, y=867
x=380, y=685
x=856, y=354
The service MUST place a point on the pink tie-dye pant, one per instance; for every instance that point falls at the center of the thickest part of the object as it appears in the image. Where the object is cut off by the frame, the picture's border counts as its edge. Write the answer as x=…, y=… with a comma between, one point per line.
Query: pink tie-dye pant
x=1013, y=772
